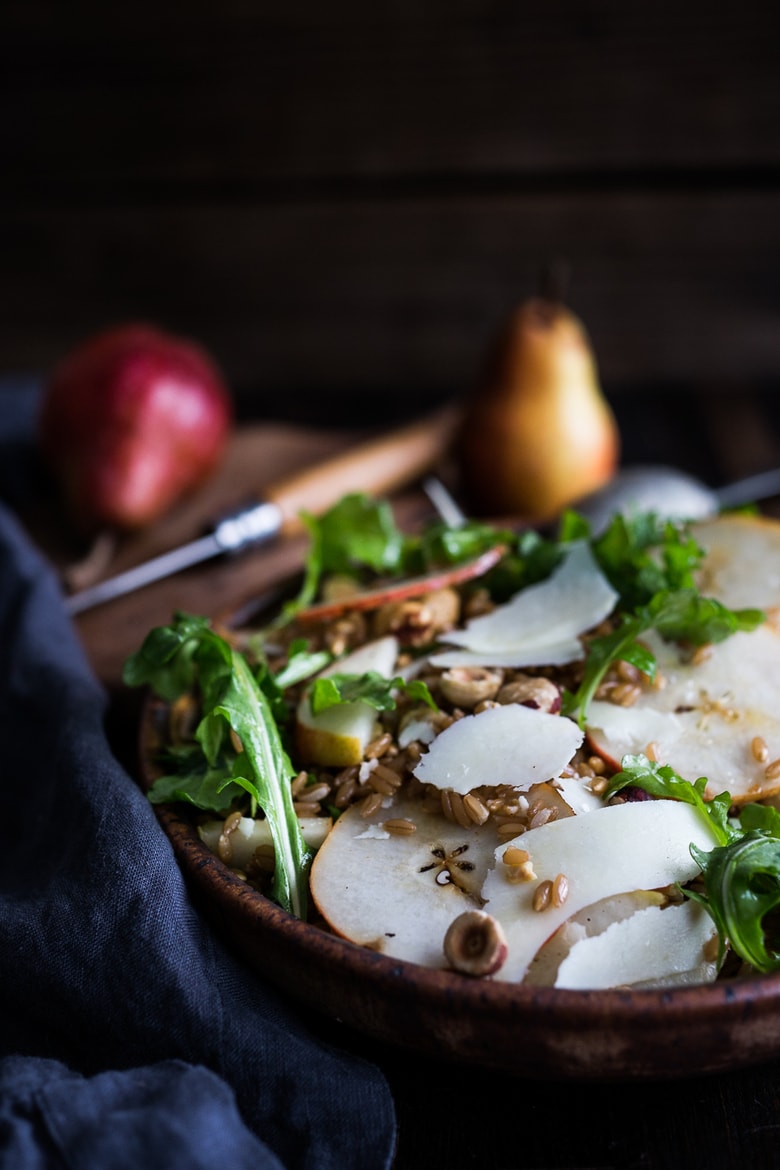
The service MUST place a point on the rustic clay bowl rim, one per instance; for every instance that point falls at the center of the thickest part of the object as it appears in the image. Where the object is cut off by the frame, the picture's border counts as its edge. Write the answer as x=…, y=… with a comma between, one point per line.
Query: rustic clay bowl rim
x=610, y=1034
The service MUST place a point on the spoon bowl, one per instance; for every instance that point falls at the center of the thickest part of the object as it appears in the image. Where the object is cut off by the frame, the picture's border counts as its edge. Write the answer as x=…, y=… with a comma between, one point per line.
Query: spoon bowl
x=671, y=493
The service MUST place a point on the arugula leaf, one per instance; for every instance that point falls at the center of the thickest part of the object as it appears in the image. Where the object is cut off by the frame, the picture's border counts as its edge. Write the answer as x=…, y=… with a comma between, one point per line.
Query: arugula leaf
x=371, y=687
x=643, y=555
x=620, y=644
x=195, y=781
x=740, y=876
x=741, y=888
x=188, y=654
x=661, y=781
x=683, y=615
x=359, y=532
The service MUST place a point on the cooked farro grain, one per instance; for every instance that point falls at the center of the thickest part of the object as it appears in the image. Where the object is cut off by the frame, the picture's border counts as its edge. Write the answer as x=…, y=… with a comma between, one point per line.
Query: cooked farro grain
x=475, y=809
x=314, y=793
x=400, y=826
x=625, y=694
x=371, y=804
x=702, y=654
x=306, y=808
x=299, y=783
x=560, y=890
x=759, y=749
x=772, y=771
x=653, y=752
x=510, y=829
x=627, y=672
x=452, y=807
x=379, y=746
x=383, y=779
x=345, y=792
x=542, y=896
x=513, y=855
x=224, y=844
x=542, y=816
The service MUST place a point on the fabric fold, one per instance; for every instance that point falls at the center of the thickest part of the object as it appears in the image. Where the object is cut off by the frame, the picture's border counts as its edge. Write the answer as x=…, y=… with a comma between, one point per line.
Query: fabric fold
x=105, y=965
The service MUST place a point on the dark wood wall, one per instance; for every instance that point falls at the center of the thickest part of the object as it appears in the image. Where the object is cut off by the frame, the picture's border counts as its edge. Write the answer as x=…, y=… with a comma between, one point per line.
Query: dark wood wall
x=343, y=199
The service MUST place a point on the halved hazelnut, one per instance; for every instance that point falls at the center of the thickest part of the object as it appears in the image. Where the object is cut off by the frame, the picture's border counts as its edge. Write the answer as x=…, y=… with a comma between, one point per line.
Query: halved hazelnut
x=475, y=944
x=540, y=693
x=465, y=686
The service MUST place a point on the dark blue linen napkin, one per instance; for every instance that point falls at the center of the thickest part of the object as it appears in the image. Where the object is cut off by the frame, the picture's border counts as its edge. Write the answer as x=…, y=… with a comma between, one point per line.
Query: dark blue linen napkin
x=129, y=1036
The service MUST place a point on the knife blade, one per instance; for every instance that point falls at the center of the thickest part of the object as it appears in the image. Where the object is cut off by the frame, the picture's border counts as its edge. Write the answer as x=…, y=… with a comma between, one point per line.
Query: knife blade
x=378, y=466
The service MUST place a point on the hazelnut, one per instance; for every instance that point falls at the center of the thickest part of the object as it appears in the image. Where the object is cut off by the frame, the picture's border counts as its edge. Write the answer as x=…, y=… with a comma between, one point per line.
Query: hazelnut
x=475, y=944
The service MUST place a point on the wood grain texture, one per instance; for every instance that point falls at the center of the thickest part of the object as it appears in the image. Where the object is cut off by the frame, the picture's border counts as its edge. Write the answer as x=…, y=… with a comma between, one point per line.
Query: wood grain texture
x=114, y=101
x=368, y=309
x=342, y=201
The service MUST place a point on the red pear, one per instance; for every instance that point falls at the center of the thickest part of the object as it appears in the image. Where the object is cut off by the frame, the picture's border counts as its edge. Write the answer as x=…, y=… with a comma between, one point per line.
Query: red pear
x=132, y=420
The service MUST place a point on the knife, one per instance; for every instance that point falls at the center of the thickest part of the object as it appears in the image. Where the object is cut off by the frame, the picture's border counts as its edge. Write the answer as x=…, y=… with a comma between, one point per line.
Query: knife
x=377, y=467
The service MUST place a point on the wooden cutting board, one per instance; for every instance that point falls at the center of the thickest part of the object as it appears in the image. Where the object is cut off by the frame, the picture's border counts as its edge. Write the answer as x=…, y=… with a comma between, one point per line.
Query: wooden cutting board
x=259, y=455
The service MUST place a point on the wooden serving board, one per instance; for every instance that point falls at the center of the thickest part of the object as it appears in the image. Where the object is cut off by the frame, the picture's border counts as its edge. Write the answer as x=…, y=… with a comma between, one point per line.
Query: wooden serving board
x=259, y=455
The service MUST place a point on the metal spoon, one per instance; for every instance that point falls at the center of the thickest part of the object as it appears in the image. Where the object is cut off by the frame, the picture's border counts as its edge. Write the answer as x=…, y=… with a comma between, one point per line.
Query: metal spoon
x=671, y=493
x=667, y=491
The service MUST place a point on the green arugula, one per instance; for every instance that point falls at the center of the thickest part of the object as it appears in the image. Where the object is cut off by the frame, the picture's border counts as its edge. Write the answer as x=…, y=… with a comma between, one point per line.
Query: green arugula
x=371, y=687
x=740, y=876
x=189, y=656
x=358, y=536
x=680, y=615
x=651, y=563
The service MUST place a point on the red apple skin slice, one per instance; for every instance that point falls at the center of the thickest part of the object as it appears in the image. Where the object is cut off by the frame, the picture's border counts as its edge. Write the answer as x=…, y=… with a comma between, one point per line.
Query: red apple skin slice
x=403, y=590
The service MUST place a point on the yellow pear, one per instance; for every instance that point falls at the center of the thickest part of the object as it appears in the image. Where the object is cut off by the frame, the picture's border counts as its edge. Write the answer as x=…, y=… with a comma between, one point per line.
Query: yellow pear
x=539, y=433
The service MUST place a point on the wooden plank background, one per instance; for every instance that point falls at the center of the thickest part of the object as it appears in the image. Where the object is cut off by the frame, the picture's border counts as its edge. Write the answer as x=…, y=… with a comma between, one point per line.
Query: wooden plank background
x=342, y=201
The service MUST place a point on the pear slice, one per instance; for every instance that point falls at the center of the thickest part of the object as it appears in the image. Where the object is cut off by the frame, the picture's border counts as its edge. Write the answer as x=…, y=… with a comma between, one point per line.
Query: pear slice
x=742, y=562
x=706, y=717
x=510, y=744
x=657, y=943
x=576, y=597
x=637, y=845
x=250, y=834
x=593, y=920
x=398, y=893
x=704, y=720
x=404, y=590
x=338, y=736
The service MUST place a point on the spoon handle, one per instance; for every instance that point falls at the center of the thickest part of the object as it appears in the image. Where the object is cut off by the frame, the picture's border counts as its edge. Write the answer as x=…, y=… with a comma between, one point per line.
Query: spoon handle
x=763, y=486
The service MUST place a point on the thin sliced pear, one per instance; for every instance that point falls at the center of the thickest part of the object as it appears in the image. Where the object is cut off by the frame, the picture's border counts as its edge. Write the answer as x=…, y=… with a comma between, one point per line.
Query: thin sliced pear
x=742, y=563
x=593, y=920
x=250, y=834
x=403, y=590
x=704, y=720
x=709, y=714
x=657, y=943
x=510, y=744
x=639, y=845
x=398, y=893
x=573, y=599
x=338, y=736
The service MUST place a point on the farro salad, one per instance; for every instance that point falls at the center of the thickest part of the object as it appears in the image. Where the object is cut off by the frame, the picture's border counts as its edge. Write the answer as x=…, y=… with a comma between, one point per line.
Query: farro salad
x=542, y=760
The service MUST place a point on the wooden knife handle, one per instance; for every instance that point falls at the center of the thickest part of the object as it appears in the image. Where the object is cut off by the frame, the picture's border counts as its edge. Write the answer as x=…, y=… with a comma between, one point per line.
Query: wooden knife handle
x=376, y=467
